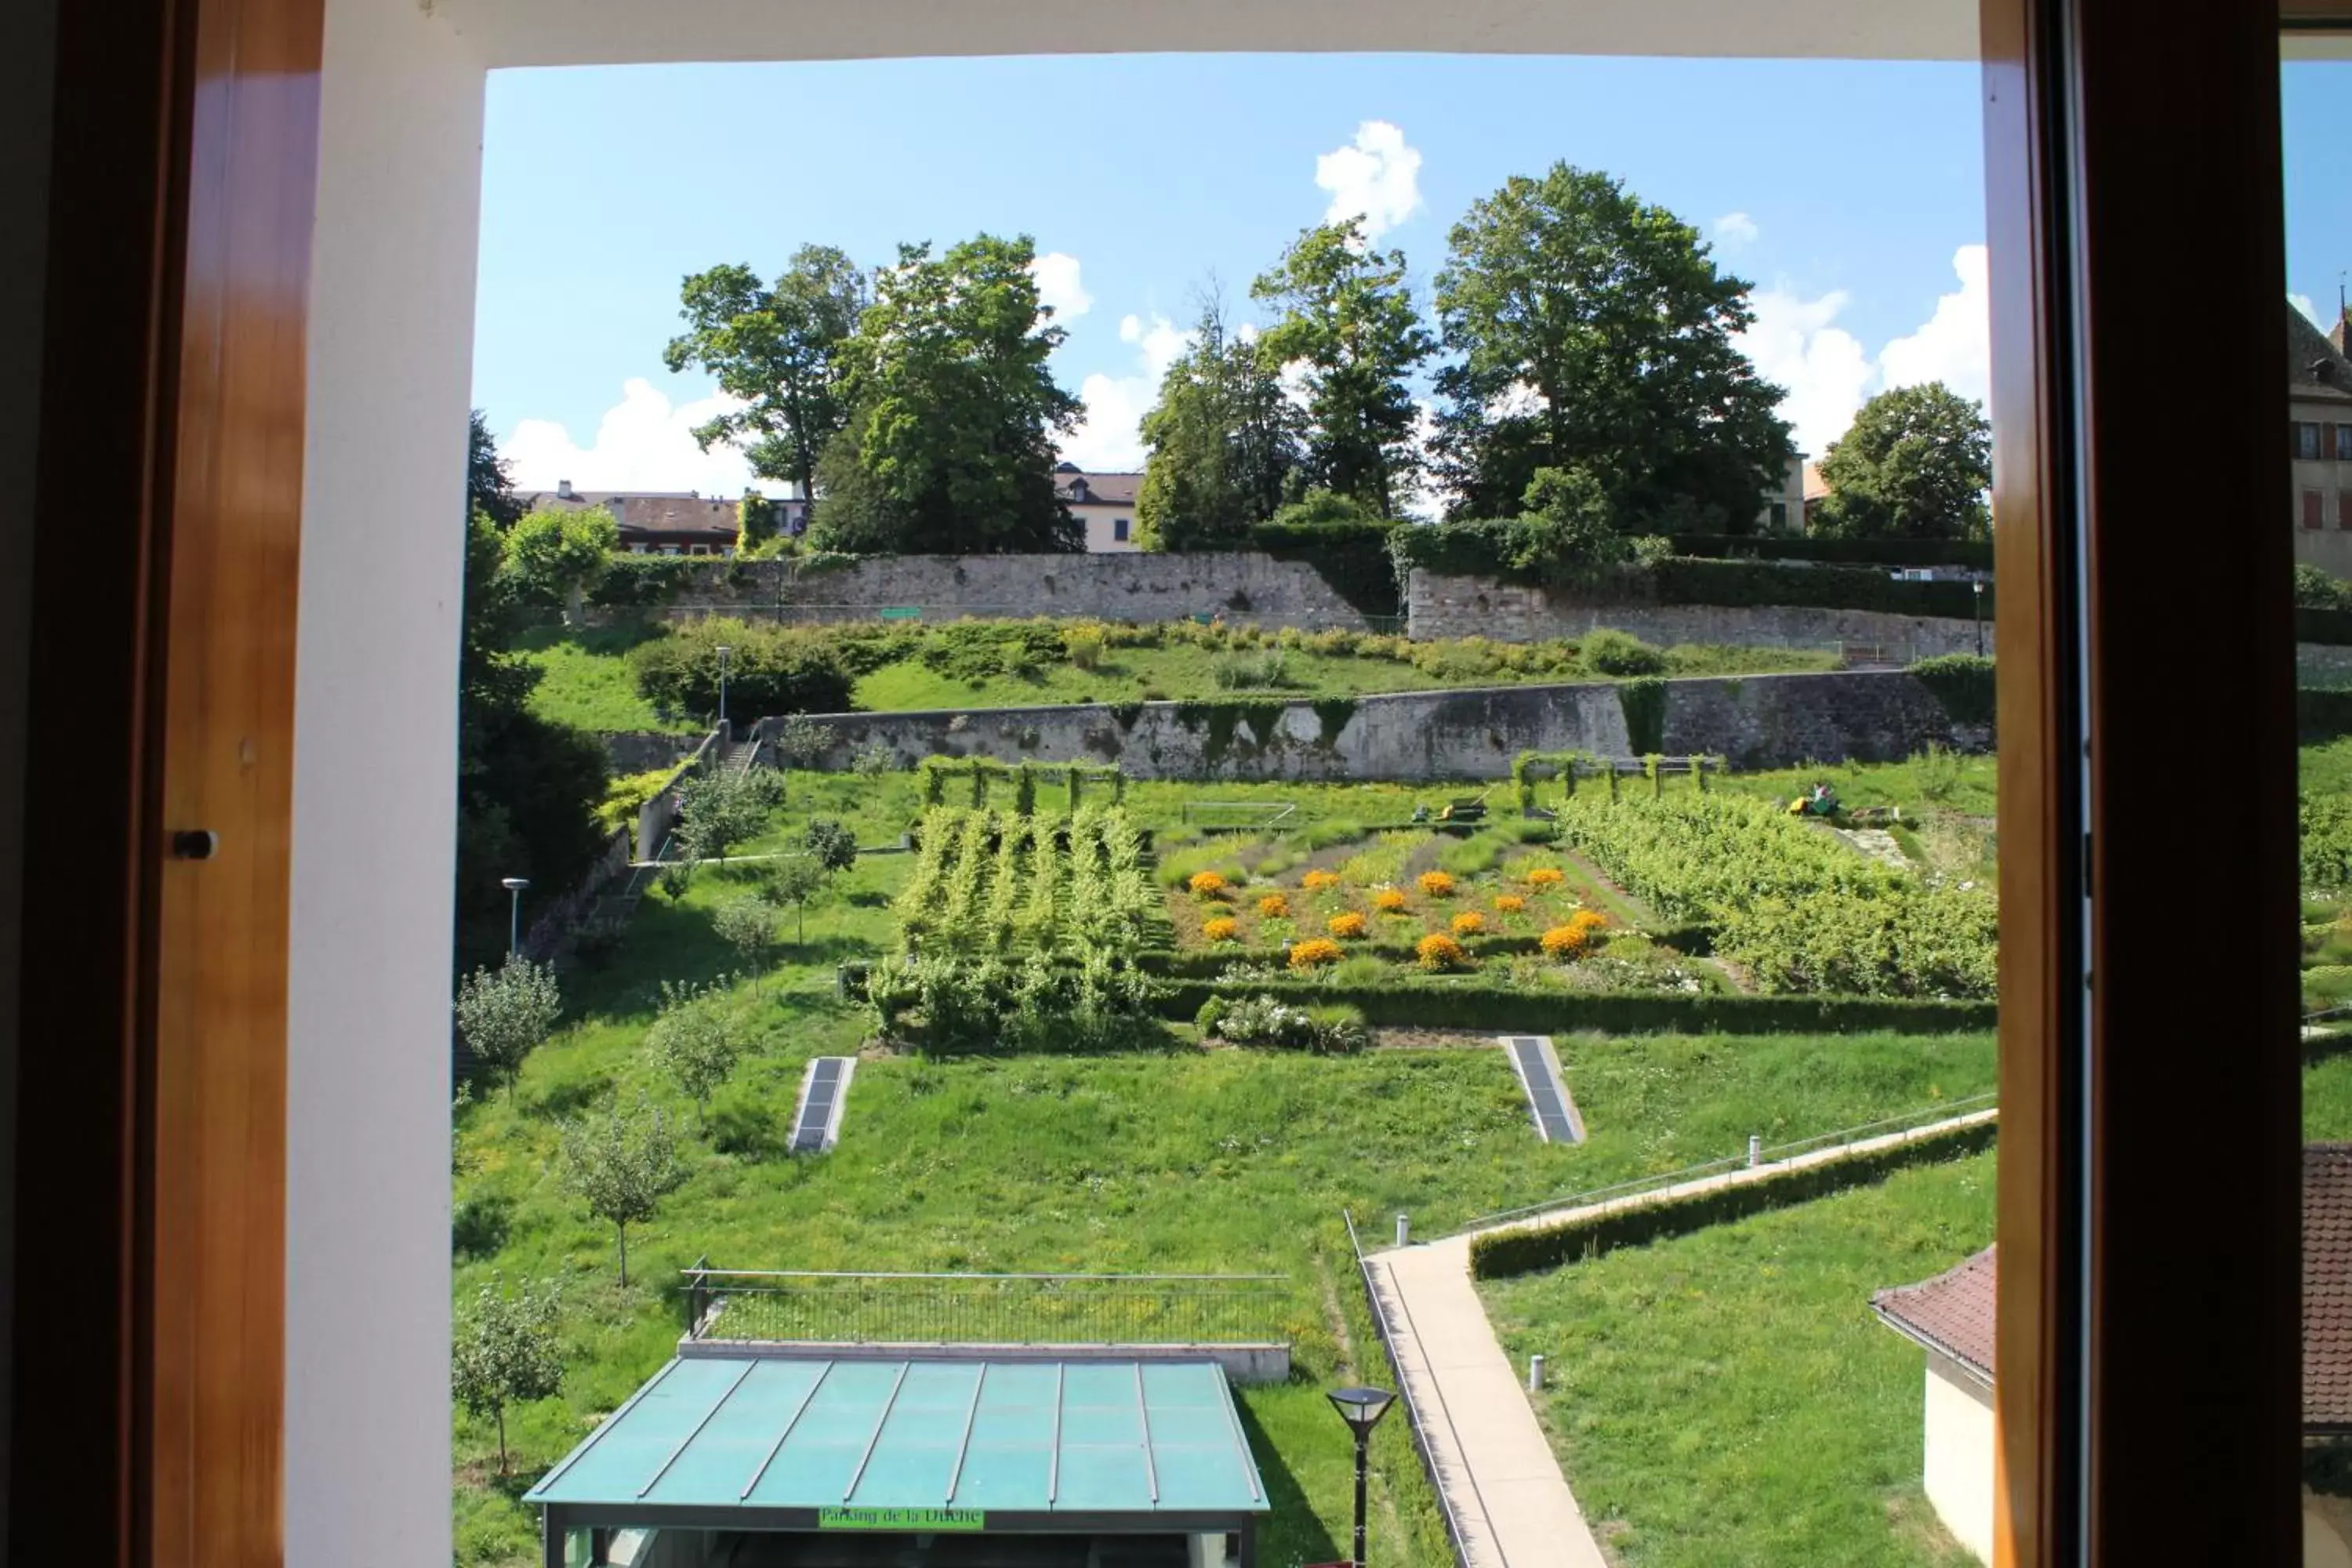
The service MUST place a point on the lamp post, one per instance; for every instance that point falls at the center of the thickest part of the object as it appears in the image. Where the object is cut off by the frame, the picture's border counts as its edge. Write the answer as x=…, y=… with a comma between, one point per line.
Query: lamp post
x=1976, y=586
x=514, y=887
x=724, y=652
x=1361, y=1409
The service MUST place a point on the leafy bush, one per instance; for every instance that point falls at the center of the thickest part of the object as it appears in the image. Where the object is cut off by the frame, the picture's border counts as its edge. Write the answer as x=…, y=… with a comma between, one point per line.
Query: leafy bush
x=1100, y=1001
x=2318, y=590
x=1469, y=923
x=1435, y=884
x=1224, y=928
x=2326, y=823
x=1388, y=901
x=1546, y=877
x=623, y=797
x=1970, y=552
x=1266, y=1021
x=1316, y=881
x=1567, y=942
x=771, y=670
x=1346, y=925
x=1509, y=903
x=1962, y=682
x=1274, y=907
x=1084, y=645
x=1620, y=653
x=1251, y=672
x=1206, y=885
x=872, y=760
x=1314, y=951
x=1440, y=953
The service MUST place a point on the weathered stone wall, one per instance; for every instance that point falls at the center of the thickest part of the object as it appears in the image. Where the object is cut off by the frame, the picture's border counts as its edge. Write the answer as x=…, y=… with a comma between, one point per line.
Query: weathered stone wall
x=1766, y=720
x=1440, y=606
x=1241, y=586
x=643, y=751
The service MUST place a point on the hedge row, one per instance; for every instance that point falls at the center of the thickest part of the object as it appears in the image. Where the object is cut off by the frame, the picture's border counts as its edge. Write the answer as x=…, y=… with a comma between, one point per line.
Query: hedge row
x=1524, y=1250
x=1352, y=557
x=2333, y=628
x=1500, y=1009
x=1209, y=963
x=1974, y=554
x=2322, y=713
x=1683, y=579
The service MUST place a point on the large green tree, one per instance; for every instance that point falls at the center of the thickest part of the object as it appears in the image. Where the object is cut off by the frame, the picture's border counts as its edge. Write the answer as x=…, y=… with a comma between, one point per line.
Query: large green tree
x=953, y=410
x=559, y=554
x=1222, y=443
x=1349, y=323
x=773, y=346
x=1594, y=331
x=527, y=789
x=1915, y=465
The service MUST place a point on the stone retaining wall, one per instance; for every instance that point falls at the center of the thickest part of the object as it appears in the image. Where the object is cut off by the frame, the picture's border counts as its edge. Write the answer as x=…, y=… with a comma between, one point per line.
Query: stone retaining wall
x=1242, y=586
x=1755, y=721
x=1466, y=606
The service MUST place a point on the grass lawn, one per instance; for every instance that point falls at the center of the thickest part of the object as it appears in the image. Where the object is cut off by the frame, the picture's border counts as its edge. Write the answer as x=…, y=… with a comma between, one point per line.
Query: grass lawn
x=1168, y=1160
x=1728, y=1398
x=585, y=678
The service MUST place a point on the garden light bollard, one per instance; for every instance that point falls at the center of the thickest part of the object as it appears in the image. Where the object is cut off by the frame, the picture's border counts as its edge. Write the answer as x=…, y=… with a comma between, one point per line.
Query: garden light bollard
x=1755, y=1151
x=1404, y=1230
x=1535, y=1373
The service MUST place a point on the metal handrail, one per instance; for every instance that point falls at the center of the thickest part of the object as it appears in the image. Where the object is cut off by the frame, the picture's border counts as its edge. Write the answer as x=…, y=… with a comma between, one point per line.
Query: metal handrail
x=1925, y=1115
x=1412, y=1411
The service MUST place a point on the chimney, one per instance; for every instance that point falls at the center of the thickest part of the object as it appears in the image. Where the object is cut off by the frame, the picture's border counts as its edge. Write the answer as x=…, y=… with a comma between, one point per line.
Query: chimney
x=563, y=489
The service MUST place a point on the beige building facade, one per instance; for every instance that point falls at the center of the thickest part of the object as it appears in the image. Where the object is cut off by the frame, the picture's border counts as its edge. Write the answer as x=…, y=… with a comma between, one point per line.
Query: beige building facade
x=2319, y=445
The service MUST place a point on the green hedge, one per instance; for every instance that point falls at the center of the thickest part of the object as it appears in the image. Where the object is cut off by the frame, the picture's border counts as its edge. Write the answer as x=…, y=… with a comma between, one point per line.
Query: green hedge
x=2322, y=713
x=637, y=580
x=1524, y=1250
x=1681, y=580
x=1353, y=557
x=2333, y=628
x=1501, y=1009
x=1963, y=683
x=1975, y=555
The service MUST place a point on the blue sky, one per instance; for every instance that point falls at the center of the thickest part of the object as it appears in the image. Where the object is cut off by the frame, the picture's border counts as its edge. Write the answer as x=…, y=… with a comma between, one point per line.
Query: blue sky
x=2316, y=110
x=1858, y=190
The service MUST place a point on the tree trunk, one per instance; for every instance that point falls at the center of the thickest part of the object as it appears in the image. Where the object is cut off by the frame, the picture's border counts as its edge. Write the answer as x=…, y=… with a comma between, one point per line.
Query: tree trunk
x=502, y=1437
x=801, y=913
x=621, y=1233
x=576, y=605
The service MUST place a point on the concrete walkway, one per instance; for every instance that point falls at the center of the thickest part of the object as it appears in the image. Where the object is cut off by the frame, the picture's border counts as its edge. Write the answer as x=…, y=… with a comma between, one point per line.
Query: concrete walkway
x=1500, y=1483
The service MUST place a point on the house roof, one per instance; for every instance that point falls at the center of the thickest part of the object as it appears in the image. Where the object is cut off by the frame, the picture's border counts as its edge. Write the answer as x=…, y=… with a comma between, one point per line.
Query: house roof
x=761, y=1435
x=1816, y=487
x=2315, y=367
x=1101, y=490
x=1953, y=1312
x=675, y=513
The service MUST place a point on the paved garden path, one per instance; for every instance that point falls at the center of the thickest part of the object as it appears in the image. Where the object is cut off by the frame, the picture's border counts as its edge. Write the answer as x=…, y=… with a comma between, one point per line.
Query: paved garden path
x=1501, y=1486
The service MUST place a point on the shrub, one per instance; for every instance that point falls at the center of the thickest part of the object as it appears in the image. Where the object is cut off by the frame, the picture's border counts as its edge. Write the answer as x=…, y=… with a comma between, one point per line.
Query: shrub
x=771, y=670
x=1274, y=907
x=1567, y=942
x=1207, y=885
x=2317, y=590
x=1620, y=653
x=1347, y=924
x=1210, y=1016
x=1266, y=1020
x=1436, y=884
x=1084, y=645
x=1251, y=672
x=1316, y=881
x=1224, y=928
x=1509, y=903
x=1469, y=923
x=1313, y=952
x=1440, y=955
x=1546, y=877
x=1388, y=901
x=1339, y=1028
x=872, y=760
x=1962, y=682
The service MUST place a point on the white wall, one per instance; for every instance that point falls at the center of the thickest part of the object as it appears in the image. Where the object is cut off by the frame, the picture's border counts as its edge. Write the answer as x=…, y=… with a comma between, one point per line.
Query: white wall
x=367, y=1417
x=1960, y=1444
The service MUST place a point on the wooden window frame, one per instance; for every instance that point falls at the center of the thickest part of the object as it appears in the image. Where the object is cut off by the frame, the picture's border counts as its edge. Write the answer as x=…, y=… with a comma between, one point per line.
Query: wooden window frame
x=2147, y=1401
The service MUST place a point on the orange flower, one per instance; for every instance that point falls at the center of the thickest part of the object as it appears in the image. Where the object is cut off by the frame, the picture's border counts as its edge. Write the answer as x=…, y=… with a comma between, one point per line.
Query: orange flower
x=1440, y=951
x=1348, y=925
x=1388, y=901
x=1588, y=920
x=1274, y=907
x=1314, y=951
x=1436, y=884
x=1224, y=928
x=1316, y=881
x=1509, y=903
x=1546, y=877
x=1568, y=940
x=1469, y=923
x=1207, y=885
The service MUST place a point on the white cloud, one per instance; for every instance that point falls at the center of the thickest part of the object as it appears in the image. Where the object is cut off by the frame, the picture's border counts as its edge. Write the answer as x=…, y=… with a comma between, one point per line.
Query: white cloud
x=1107, y=440
x=1424, y=502
x=1733, y=230
x=1377, y=178
x=1058, y=285
x=2310, y=311
x=1955, y=344
x=643, y=442
x=1795, y=343
x=1822, y=367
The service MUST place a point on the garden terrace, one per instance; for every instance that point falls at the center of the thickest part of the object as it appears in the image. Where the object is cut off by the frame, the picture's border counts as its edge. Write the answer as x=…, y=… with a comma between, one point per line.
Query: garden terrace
x=985, y=881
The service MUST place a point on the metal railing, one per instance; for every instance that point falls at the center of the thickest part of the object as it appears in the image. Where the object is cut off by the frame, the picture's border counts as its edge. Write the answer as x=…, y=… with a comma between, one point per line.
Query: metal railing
x=1757, y=1153
x=797, y=1306
x=1411, y=1408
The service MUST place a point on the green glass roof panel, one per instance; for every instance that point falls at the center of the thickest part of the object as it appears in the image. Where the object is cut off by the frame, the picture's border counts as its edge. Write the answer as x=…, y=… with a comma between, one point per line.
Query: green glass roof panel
x=1016, y=1436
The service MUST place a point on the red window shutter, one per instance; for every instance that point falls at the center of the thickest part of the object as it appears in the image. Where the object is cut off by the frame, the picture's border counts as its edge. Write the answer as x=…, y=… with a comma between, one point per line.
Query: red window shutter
x=2310, y=509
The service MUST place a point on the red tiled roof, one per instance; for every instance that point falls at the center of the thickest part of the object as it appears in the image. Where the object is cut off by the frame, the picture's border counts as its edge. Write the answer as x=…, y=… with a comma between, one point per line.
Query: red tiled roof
x=1102, y=490
x=2328, y=1285
x=1952, y=1312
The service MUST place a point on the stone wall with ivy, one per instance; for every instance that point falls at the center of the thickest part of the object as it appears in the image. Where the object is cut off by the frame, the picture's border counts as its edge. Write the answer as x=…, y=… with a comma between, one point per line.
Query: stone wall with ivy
x=1754, y=722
